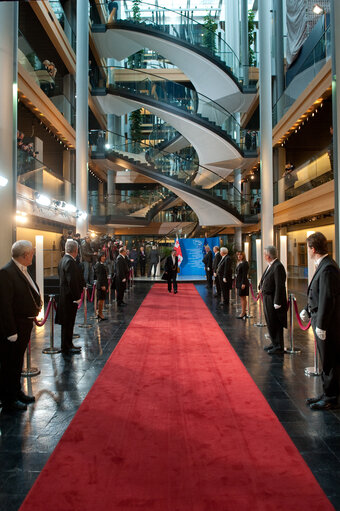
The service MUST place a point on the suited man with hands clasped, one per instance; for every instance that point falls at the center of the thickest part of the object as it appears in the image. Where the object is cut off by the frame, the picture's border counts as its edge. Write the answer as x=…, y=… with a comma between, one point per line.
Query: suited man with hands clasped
x=71, y=283
x=224, y=274
x=216, y=262
x=208, y=262
x=273, y=289
x=323, y=307
x=20, y=303
x=170, y=270
x=122, y=275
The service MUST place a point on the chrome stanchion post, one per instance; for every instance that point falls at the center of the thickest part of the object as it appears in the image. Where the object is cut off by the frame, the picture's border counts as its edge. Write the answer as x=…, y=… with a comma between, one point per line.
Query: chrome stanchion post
x=110, y=290
x=292, y=348
x=51, y=350
x=85, y=324
x=315, y=370
x=94, y=301
x=260, y=321
x=28, y=370
x=249, y=315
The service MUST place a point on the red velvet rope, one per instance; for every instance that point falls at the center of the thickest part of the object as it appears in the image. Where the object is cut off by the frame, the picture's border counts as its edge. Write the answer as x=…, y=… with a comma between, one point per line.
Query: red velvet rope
x=301, y=325
x=41, y=323
x=109, y=281
x=81, y=300
x=255, y=298
x=93, y=291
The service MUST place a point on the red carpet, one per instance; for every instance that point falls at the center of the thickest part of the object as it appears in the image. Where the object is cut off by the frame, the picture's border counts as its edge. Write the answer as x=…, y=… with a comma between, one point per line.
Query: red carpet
x=175, y=423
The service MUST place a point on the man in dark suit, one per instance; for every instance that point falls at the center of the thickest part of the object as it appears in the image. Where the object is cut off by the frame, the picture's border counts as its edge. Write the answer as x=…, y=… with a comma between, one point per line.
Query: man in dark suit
x=323, y=307
x=273, y=289
x=122, y=274
x=170, y=269
x=215, y=264
x=71, y=283
x=224, y=274
x=208, y=262
x=20, y=303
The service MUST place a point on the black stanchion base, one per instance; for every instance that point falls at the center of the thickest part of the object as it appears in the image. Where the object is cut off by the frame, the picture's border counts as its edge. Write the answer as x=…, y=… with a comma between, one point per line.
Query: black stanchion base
x=33, y=371
x=88, y=325
x=51, y=351
x=260, y=324
x=75, y=336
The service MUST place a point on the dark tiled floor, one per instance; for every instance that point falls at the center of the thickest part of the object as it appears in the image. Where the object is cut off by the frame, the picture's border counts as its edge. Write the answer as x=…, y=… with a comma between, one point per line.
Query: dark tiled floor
x=28, y=439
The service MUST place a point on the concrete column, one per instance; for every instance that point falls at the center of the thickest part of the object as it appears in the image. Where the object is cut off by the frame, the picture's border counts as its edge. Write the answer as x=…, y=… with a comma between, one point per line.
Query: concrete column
x=266, y=124
x=232, y=20
x=244, y=42
x=82, y=72
x=8, y=125
x=247, y=197
x=335, y=20
x=67, y=176
x=111, y=186
x=279, y=53
x=238, y=238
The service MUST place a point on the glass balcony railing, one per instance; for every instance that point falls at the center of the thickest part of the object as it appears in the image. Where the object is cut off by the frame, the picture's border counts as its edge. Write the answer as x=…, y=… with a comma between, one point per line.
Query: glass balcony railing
x=37, y=176
x=315, y=172
x=134, y=203
x=307, y=72
x=143, y=85
x=64, y=22
x=179, y=215
x=177, y=24
x=45, y=75
x=178, y=168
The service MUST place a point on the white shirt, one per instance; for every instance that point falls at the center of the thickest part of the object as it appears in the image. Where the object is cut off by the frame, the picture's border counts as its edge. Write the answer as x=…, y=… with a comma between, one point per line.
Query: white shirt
x=23, y=269
x=318, y=261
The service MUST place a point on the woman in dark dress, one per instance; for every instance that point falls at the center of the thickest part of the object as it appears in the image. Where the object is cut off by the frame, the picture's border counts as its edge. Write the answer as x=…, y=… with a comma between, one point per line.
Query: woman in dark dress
x=102, y=284
x=242, y=282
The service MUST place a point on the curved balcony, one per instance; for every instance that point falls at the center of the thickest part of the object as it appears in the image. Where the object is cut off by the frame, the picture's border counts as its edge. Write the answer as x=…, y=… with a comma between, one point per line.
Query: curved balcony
x=188, y=44
x=218, y=204
x=213, y=131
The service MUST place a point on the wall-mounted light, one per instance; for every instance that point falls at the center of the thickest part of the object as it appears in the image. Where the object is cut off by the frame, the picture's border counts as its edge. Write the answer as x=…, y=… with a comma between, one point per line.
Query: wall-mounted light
x=317, y=9
x=3, y=181
x=43, y=200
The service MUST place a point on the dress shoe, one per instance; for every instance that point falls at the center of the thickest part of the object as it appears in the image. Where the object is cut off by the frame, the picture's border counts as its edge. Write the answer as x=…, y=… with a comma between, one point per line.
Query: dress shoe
x=323, y=404
x=169, y=290
x=270, y=347
x=311, y=400
x=276, y=350
x=101, y=319
x=14, y=406
x=243, y=316
x=175, y=292
x=24, y=398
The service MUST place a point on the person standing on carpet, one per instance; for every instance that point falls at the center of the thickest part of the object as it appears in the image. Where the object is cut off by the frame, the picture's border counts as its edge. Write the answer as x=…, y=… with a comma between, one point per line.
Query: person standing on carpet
x=102, y=284
x=122, y=274
x=170, y=270
x=71, y=282
x=20, y=303
x=224, y=274
x=242, y=282
x=208, y=261
x=215, y=263
x=273, y=289
x=323, y=308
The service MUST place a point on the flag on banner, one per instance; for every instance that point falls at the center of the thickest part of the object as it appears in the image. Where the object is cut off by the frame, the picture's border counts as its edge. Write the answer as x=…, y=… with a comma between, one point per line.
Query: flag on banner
x=177, y=247
x=205, y=243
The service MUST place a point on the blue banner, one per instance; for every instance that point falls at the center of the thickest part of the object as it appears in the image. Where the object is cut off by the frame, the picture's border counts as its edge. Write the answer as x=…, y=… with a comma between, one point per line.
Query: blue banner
x=192, y=252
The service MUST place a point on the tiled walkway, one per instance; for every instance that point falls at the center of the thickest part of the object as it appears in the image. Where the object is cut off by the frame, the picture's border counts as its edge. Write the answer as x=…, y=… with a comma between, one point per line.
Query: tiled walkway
x=28, y=439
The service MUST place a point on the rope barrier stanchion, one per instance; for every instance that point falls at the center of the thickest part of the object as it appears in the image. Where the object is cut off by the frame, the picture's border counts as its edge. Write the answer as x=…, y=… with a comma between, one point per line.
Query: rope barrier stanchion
x=29, y=370
x=260, y=320
x=94, y=300
x=249, y=315
x=85, y=324
x=233, y=286
x=292, y=349
x=51, y=350
x=315, y=369
x=110, y=291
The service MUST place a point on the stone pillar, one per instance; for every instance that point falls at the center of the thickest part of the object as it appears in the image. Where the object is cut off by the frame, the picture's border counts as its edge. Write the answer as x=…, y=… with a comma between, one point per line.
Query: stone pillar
x=111, y=186
x=82, y=73
x=232, y=23
x=244, y=42
x=335, y=20
x=266, y=124
x=8, y=125
x=279, y=54
x=67, y=176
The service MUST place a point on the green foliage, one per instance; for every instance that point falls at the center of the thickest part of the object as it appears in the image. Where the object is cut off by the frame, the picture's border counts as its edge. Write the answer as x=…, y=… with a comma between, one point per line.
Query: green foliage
x=251, y=37
x=165, y=251
x=136, y=10
x=209, y=36
x=136, y=125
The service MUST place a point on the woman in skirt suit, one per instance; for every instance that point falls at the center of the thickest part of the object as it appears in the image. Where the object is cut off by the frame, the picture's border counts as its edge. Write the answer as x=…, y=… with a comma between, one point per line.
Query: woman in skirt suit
x=242, y=282
x=102, y=284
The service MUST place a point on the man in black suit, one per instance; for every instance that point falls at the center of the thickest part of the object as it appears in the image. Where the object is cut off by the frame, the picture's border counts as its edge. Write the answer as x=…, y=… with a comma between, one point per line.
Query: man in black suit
x=170, y=269
x=71, y=283
x=20, y=303
x=273, y=288
x=122, y=274
x=224, y=274
x=208, y=262
x=215, y=263
x=323, y=307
